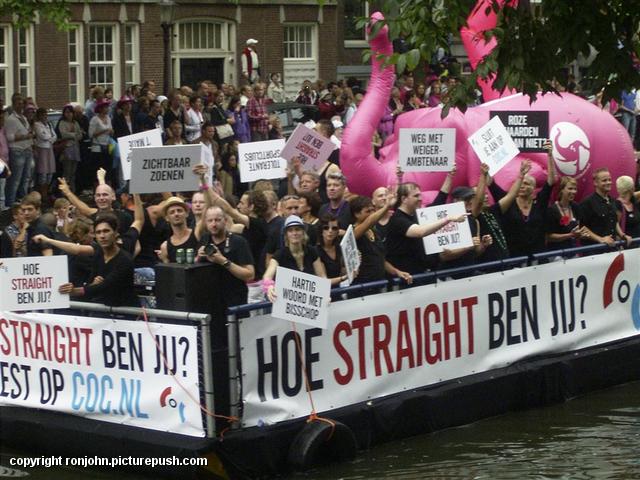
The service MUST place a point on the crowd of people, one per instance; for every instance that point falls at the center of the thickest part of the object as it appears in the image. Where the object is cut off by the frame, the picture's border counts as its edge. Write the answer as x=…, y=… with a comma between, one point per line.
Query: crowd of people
x=63, y=186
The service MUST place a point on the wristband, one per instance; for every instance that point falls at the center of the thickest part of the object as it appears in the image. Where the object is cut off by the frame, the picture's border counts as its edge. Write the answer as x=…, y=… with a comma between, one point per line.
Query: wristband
x=204, y=188
x=266, y=284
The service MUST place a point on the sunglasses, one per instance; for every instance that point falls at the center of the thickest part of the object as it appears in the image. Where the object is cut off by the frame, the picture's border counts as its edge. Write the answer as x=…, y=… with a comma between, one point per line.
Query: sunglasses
x=329, y=227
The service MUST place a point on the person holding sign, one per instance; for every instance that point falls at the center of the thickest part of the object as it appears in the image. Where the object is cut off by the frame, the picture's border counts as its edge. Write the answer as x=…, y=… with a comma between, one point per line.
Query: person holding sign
x=112, y=272
x=373, y=265
x=524, y=221
x=296, y=255
x=405, y=249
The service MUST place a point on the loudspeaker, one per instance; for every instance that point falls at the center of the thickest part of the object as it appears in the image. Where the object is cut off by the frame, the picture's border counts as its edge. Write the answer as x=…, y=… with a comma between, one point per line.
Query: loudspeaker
x=185, y=287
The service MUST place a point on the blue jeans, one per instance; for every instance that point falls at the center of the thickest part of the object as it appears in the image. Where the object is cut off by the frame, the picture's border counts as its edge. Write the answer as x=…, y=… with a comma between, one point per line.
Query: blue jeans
x=628, y=119
x=21, y=164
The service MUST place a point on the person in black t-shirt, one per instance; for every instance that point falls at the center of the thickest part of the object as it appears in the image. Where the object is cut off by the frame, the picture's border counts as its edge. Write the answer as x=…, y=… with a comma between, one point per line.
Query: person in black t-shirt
x=111, y=281
x=30, y=206
x=563, y=217
x=373, y=266
x=176, y=212
x=329, y=250
x=405, y=249
x=599, y=213
x=296, y=255
x=231, y=256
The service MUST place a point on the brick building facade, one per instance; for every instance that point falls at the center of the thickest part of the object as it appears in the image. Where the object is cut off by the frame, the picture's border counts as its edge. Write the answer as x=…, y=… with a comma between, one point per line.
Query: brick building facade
x=120, y=44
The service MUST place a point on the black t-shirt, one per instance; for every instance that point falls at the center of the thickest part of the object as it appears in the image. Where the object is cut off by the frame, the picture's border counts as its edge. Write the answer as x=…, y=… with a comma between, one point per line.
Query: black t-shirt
x=285, y=259
x=467, y=258
x=256, y=236
x=37, y=227
x=599, y=216
x=235, y=248
x=630, y=221
x=562, y=222
x=333, y=266
x=151, y=237
x=405, y=253
x=372, y=262
x=169, y=117
x=116, y=288
x=490, y=225
x=526, y=234
x=124, y=219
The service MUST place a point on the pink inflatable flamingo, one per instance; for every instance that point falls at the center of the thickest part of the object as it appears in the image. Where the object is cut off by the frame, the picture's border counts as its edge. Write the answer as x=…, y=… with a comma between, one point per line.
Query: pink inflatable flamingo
x=584, y=136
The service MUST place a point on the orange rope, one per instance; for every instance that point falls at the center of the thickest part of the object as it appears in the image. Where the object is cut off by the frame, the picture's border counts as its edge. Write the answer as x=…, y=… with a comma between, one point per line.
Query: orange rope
x=166, y=364
x=313, y=416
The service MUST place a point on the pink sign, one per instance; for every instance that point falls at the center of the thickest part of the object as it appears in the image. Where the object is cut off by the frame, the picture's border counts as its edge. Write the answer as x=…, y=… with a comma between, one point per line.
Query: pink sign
x=312, y=148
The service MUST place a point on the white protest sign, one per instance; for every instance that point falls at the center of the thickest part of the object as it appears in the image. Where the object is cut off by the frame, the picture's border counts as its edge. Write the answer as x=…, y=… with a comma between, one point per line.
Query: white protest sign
x=451, y=236
x=31, y=283
x=209, y=161
x=261, y=160
x=312, y=148
x=427, y=149
x=150, y=138
x=302, y=298
x=493, y=145
x=165, y=169
x=350, y=255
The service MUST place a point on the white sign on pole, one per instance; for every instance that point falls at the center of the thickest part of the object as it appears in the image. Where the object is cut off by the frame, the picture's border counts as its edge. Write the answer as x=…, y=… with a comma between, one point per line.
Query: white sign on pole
x=427, y=149
x=350, y=253
x=451, y=236
x=165, y=169
x=493, y=145
x=302, y=298
x=31, y=283
x=150, y=138
x=261, y=160
x=312, y=148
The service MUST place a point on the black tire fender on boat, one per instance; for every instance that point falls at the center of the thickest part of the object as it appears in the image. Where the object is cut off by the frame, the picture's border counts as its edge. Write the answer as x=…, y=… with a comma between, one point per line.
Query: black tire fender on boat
x=316, y=444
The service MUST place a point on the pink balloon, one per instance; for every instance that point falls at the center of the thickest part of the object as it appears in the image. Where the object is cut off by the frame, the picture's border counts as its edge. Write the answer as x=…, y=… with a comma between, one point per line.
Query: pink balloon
x=584, y=136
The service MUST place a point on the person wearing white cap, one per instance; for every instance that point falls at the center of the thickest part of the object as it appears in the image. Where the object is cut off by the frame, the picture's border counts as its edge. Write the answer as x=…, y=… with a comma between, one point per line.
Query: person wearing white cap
x=295, y=255
x=250, y=61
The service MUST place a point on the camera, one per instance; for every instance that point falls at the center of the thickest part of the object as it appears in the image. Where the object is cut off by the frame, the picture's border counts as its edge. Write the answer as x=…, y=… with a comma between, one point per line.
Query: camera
x=210, y=249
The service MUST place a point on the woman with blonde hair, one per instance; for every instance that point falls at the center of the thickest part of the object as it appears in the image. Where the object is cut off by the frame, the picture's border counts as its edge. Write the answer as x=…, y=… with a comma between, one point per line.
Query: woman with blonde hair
x=295, y=254
x=627, y=206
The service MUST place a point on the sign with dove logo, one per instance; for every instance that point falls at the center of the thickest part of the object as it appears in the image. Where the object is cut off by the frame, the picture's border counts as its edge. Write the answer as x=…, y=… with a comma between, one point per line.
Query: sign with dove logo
x=571, y=149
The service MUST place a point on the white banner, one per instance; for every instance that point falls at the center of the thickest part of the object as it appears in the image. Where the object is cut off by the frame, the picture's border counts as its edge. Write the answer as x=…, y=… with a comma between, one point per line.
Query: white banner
x=149, y=138
x=312, y=148
x=31, y=283
x=451, y=236
x=102, y=369
x=165, y=169
x=350, y=253
x=261, y=160
x=493, y=145
x=396, y=341
x=427, y=149
x=302, y=298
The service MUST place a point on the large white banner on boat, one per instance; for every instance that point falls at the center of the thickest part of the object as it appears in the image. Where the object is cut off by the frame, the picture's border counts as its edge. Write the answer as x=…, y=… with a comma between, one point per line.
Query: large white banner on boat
x=116, y=371
x=407, y=339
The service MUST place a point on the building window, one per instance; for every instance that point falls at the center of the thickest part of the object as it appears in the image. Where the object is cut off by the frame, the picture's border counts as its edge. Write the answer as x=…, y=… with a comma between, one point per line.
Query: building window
x=76, y=93
x=131, y=55
x=6, y=89
x=353, y=10
x=26, y=85
x=201, y=36
x=298, y=42
x=103, y=56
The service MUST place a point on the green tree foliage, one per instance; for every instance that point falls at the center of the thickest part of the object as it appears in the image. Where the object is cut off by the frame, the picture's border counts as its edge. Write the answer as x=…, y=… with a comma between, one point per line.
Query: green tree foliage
x=533, y=47
x=24, y=11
